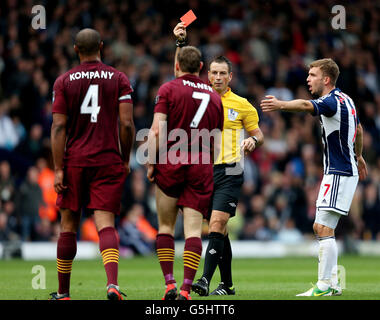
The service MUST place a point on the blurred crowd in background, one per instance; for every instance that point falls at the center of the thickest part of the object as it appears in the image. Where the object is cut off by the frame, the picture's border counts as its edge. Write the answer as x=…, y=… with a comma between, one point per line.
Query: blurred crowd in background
x=270, y=44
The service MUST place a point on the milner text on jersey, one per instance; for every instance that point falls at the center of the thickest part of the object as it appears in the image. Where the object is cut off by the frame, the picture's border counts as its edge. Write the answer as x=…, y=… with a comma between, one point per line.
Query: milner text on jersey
x=197, y=85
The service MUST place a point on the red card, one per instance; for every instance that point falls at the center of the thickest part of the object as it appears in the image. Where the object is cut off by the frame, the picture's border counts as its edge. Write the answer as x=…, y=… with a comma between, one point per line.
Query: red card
x=188, y=18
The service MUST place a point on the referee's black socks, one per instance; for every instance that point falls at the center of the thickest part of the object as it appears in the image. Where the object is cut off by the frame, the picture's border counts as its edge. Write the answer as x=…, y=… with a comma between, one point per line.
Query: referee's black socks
x=213, y=254
x=225, y=263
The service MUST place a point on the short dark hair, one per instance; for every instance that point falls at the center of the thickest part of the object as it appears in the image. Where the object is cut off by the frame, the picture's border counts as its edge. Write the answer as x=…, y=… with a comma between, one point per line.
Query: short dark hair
x=328, y=67
x=222, y=59
x=189, y=59
x=88, y=41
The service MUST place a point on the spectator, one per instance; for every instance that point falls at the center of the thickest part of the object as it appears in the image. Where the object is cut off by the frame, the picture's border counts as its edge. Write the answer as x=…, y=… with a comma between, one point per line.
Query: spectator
x=32, y=146
x=46, y=183
x=136, y=233
x=7, y=183
x=5, y=233
x=44, y=230
x=371, y=210
x=12, y=220
x=9, y=137
x=256, y=229
x=88, y=230
x=28, y=202
x=289, y=233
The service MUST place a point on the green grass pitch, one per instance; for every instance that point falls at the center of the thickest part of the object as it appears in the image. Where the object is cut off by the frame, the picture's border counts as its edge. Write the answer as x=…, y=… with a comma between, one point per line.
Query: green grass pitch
x=141, y=279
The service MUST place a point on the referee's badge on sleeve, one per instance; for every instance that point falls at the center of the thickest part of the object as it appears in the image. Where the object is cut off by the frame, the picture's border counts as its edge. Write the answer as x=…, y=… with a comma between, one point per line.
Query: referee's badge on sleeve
x=232, y=114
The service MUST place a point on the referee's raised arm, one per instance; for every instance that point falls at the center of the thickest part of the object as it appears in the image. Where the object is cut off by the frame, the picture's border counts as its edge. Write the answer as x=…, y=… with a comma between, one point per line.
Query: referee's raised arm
x=180, y=34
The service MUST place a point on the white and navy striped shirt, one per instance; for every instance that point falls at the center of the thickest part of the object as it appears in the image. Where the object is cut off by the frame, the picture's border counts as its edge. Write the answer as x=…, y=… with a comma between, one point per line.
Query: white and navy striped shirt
x=339, y=121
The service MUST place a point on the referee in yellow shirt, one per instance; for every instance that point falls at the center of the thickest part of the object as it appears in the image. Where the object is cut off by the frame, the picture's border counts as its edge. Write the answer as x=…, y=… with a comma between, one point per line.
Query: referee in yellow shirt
x=239, y=114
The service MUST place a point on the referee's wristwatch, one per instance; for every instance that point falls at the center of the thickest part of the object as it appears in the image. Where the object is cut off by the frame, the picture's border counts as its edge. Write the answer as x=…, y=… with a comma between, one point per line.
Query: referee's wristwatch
x=181, y=42
x=254, y=138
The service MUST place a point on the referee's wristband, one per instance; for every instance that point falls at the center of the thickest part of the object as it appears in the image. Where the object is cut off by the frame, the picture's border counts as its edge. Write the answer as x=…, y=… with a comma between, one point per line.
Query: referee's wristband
x=180, y=43
x=254, y=138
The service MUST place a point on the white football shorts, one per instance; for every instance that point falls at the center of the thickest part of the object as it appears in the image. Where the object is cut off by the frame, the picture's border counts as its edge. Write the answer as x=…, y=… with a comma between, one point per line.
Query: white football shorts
x=327, y=218
x=336, y=193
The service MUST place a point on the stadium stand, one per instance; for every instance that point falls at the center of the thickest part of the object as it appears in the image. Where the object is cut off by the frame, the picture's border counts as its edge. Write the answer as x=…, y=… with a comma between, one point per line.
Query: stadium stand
x=270, y=44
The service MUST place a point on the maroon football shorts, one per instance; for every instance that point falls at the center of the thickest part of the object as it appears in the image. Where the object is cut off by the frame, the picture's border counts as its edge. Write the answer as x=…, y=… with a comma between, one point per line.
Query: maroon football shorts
x=191, y=184
x=98, y=188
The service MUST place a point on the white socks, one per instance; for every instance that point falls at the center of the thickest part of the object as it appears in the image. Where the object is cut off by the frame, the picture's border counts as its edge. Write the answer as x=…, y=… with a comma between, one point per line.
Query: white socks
x=334, y=277
x=328, y=260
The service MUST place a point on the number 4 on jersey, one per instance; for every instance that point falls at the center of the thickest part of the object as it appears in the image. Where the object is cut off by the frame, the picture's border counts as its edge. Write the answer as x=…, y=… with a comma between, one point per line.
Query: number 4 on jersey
x=90, y=102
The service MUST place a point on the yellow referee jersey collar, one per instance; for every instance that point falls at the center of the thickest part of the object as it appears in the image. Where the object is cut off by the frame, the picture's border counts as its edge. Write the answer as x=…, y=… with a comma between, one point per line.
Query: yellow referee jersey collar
x=227, y=93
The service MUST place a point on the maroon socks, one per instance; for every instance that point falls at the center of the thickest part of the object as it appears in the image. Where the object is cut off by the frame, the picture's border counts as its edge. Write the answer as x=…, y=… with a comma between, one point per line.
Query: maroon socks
x=66, y=251
x=165, y=254
x=67, y=248
x=191, y=257
x=109, y=249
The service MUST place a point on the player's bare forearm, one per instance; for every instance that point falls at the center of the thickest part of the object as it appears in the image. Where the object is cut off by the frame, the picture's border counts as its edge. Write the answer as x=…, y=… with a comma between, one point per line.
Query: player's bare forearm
x=153, y=143
x=156, y=134
x=58, y=140
x=362, y=166
x=298, y=105
x=127, y=130
x=127, y=137
x=271, y=103
x=153, y=146
x=359, y=141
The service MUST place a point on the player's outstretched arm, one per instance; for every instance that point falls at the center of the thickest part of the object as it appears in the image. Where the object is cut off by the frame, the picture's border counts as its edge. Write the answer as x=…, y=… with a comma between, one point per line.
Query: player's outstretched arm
x=362, y=166
x=271, y=103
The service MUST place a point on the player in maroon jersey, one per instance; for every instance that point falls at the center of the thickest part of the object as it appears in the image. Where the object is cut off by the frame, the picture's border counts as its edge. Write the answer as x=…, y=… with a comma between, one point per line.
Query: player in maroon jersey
x=183, y=175
x=92, y=114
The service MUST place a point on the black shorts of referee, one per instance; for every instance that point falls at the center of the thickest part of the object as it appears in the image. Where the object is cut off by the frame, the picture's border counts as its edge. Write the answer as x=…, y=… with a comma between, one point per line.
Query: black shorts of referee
x=228, y=180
